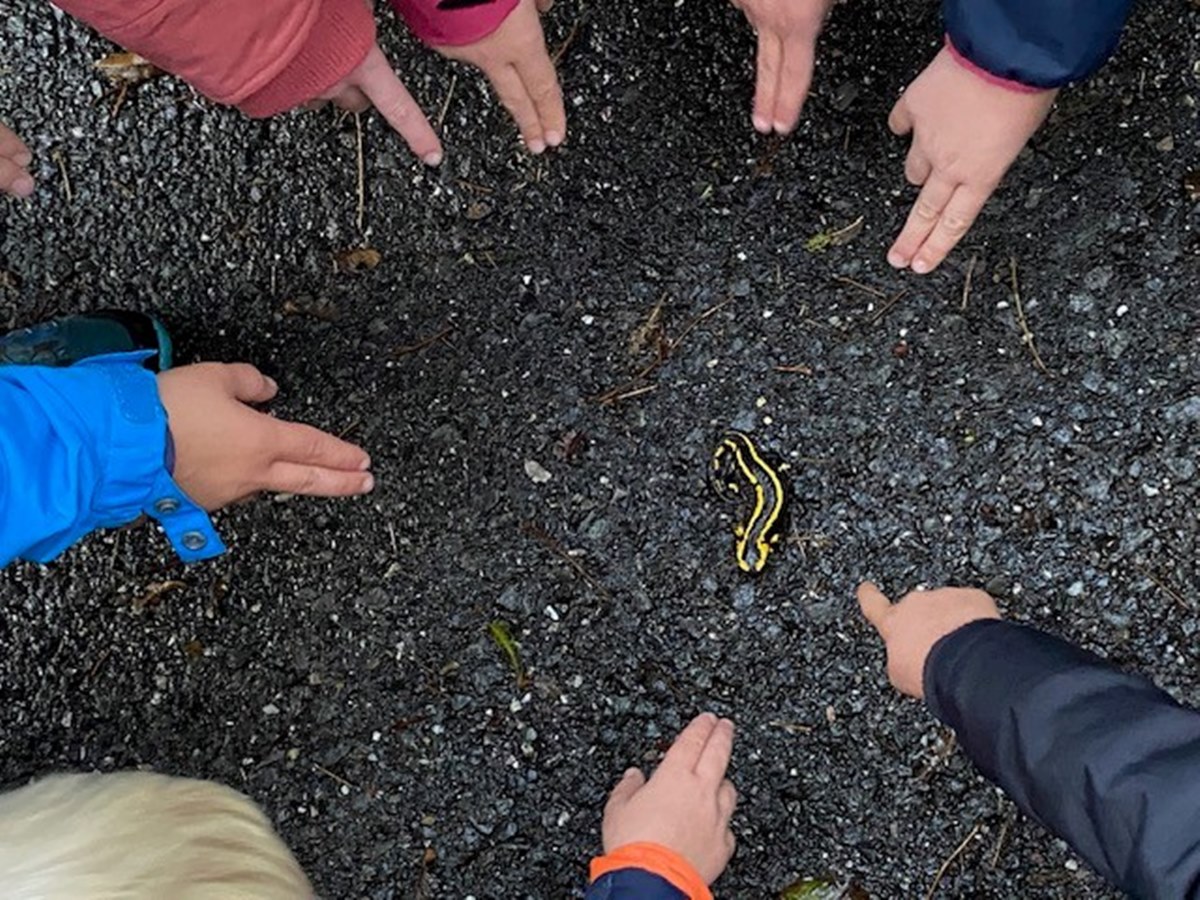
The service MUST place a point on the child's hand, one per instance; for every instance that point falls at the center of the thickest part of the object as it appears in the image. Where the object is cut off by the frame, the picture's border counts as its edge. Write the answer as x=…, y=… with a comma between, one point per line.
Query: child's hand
x=515, y=59
x=14, y=164
x=686, y=805
x=224, y=450
x=374, y=83
x=916, y=623
x=787, y=43
x=966, y=133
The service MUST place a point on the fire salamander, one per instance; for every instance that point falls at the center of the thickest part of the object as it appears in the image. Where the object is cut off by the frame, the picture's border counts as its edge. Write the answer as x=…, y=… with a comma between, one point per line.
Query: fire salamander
x=739, y=469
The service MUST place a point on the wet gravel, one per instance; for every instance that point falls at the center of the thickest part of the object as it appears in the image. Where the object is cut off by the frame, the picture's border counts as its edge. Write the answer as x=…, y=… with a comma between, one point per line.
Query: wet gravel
x=337, y=664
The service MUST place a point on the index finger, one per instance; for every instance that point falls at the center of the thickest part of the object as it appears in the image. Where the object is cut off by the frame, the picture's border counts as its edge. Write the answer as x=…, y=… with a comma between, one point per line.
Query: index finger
x=541, y=81
x=13, y=147
x=714, y=759
x=305, y=445
x=686, y=751
x=794, y=82
x=389, y=95
x=957, y=218
x=874, y=604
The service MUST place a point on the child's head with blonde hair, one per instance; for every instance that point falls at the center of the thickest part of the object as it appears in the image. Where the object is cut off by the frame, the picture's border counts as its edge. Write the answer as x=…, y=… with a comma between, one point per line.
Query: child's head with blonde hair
x=140, y=836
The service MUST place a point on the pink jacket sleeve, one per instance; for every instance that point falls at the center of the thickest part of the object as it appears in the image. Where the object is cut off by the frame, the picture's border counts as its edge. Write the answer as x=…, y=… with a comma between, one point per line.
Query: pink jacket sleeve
x=263, y=56
x=453, y=23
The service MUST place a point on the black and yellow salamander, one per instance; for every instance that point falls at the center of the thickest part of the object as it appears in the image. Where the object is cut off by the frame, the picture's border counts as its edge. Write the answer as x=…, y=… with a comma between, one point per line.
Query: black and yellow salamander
x=740, y=470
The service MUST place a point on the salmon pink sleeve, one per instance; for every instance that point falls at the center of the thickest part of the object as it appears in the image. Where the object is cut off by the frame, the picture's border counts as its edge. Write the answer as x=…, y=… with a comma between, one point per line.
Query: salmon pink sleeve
x=263, y=56
x=453, y=23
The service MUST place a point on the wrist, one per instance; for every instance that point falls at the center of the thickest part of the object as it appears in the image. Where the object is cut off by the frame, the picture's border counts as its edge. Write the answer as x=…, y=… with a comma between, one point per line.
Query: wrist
x=438, y=26
x=658, y=860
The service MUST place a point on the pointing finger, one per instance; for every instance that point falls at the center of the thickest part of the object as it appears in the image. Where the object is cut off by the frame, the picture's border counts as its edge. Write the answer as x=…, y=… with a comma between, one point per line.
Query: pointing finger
x=314, y=481
x=957, y=218
x=512, y=93
x=384, y=89
x=766, y=89
x=541, y=84
x=875, y=605
x=795, y=78
x=305, y=445
x=922, y=219
x=686, y=751
x=714, y=759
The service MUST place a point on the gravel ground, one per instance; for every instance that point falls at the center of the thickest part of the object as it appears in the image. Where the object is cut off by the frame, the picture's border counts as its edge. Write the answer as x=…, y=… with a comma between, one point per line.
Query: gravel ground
x=337, y=664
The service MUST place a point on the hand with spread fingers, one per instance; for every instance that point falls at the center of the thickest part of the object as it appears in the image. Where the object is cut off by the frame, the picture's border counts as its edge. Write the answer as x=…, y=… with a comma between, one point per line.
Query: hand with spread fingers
x=966, y=132
x=515, y=59
x=920, y=619
x=226, y=451
x=686, y=805
x=787, y=44
x=374, y=83
x=15, y=158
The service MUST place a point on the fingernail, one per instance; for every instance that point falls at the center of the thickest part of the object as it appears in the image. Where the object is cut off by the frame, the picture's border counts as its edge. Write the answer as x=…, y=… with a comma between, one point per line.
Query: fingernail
x=553, y=138
x=432, y=159
x=631, y=771
x=921, y=266
x=368, y=484
x=761, y=125
x=272, y=383
x=782, y=128
x=366, y=464
x=23, y=158
x=536, y=146
x=896, y=260
x=23, y=186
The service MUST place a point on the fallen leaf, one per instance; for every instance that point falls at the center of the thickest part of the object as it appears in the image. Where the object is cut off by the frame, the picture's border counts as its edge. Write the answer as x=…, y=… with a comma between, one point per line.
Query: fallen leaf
x=837, y=237
x=502, y=636
x=324, y=310
x=357, y=259
x=154, y=593
x=822, y=889
x=478, y=210
x=127, y=69
x=649, y=334
x=570, y=445
x=193, y=649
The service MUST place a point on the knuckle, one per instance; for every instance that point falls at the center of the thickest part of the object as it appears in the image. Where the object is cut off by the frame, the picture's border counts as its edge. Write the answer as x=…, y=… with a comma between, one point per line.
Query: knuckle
x=925, y=211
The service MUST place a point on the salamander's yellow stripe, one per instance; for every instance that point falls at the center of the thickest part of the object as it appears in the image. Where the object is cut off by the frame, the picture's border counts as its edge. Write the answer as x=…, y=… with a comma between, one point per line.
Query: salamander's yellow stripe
x=756, y=536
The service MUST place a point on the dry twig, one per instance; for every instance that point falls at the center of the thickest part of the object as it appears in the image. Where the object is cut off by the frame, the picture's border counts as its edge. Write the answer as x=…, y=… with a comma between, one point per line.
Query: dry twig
x=539, y=534
x=966, y=293
x=441, y=119
x=558, y=54
x=362, y=173
x=958, y=851
x=1026, y=335
x=426, y=342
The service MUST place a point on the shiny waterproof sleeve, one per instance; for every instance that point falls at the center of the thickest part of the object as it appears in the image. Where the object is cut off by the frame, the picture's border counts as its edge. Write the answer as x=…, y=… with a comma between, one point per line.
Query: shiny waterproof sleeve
x=85, y=448
x=1038, y=43
x=1103, y=759
x=633, y=884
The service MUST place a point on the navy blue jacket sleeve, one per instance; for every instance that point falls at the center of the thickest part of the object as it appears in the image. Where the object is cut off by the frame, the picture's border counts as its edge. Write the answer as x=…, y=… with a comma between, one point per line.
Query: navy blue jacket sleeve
x=1039, y=43
x=83, y=448
x=1102, y=758
x=633, y=884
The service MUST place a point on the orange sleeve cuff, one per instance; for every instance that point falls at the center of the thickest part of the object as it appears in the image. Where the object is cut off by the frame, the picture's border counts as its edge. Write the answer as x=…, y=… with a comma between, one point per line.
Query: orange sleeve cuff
x=658, y=860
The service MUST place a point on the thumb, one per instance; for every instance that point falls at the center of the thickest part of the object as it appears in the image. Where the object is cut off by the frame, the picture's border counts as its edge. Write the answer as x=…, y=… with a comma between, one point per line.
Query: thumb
x=248, y=384
x=631, y=782
x=900, y=119
x=544, y=5
x=875, y=605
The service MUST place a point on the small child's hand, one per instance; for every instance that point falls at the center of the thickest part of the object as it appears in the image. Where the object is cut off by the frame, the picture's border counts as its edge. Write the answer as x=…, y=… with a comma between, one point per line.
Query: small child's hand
x=911, y=627
x=375, y=83
x=515, y=59
x=225, y=451
x=966, y=133
x=14, y=164
x=787, y=44
x=687, y=803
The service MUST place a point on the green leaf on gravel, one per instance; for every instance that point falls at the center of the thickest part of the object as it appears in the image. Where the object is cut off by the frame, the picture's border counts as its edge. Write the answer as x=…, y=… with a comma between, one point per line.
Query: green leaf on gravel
x=822, y=889
x=501, y=634
x=836, y=237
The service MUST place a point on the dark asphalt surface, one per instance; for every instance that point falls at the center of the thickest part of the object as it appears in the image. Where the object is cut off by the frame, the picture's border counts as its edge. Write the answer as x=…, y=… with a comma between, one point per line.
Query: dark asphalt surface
x=336, y=665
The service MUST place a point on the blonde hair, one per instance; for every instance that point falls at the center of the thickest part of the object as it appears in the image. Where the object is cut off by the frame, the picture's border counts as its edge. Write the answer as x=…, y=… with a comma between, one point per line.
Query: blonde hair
x=140, y=836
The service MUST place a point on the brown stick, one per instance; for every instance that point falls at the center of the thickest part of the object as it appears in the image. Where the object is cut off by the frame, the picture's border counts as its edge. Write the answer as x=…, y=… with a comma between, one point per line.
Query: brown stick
x=362, y=173
x=950, y=860
x=966, y=293
x=1026, y=335
x=426, y=342
x=539, y=534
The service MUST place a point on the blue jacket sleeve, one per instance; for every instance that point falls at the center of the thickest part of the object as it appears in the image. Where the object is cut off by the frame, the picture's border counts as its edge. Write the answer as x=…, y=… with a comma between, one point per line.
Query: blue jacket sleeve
x=83, y=448
x=1039, y=43
x=1103, y=759
x=633, y=884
